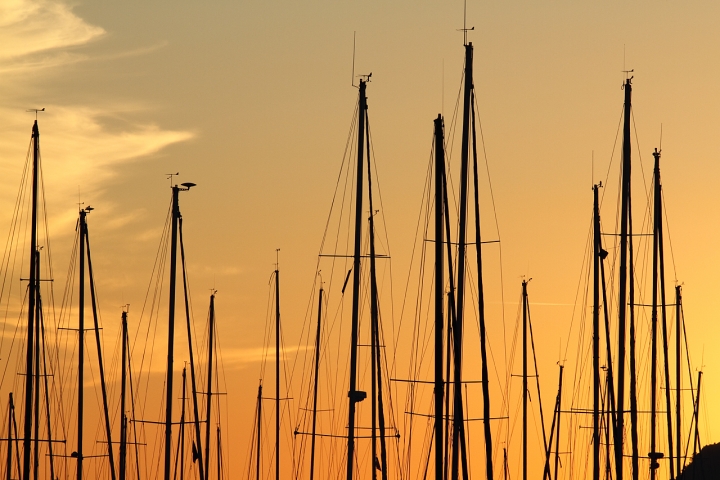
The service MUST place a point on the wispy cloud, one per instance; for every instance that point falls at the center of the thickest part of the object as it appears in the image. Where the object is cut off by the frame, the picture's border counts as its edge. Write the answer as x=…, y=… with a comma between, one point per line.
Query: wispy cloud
x=80, y=149
x=30, y=27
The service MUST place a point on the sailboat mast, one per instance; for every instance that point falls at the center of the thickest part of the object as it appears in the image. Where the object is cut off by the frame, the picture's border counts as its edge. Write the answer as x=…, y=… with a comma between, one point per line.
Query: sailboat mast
x=458, y=437
x=623, y=287
x=81, y=345
x=678, y=377
x=654, y=465
x=354, y=395
x=32, y=289
x=10, y=440
x=176, y=219
x=525, y=381
x=315, y=385
x=259, y=432
x=277, y=375
x=211, y=337
x=439, y=296
x=171, y=331
x=559, y=416
x=596, y=334
x=123, y=391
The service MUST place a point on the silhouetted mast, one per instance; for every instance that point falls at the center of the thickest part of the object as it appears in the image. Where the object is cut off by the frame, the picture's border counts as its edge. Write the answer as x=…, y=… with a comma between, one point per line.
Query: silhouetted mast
x=277, y=374
x=211, y=337
x=354, y=395
x=315, y=385
x=258, y=444
x=654, y=455
x=524, y=380
x=123, y=393
x=439, y=297
x=171, y=331
x=678, y=376
x=32, y=292
x=596, y=333
x=458, y=436
x=559, y=416
x=11, y=408
x=625, y=232
x=81, y=345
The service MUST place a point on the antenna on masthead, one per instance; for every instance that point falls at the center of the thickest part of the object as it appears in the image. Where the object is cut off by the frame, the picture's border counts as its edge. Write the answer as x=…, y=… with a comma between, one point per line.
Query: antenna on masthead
x=465, y=29
x=170, y=177
x=352, y=78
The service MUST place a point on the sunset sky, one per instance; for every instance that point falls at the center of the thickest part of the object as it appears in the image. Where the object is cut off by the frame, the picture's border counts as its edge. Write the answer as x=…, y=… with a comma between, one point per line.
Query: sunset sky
x=253, y=101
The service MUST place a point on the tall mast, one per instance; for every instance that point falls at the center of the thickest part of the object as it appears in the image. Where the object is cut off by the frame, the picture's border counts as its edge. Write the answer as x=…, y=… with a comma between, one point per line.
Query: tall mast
x=81, y=344
x=123, y=389
x=524, y=380
x=277, y=374
x=259, y=432
x=559, y=416
x=439, y=296
x=11, y=408
x=315, y=385
x=623, y=287
x=678, y=377
x=354, y=395
x=458, y=437
x=211, y=337
x=32, y=292
x=596, y=335
x=654, y=465
x=171, y=330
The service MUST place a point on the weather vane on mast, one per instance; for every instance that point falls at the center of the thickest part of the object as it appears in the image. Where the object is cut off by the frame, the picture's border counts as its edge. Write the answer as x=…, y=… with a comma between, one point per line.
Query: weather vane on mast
x=36, y=110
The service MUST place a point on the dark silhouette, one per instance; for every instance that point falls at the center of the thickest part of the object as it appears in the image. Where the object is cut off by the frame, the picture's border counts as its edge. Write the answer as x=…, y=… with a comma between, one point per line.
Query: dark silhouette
x=704, y=466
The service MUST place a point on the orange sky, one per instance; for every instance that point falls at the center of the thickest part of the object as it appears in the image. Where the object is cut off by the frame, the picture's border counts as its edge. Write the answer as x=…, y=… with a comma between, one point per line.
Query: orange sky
x=252, y=101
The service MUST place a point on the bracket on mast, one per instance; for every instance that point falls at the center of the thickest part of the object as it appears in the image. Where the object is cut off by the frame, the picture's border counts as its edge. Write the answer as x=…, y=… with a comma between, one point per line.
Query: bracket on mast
x=628, y=78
